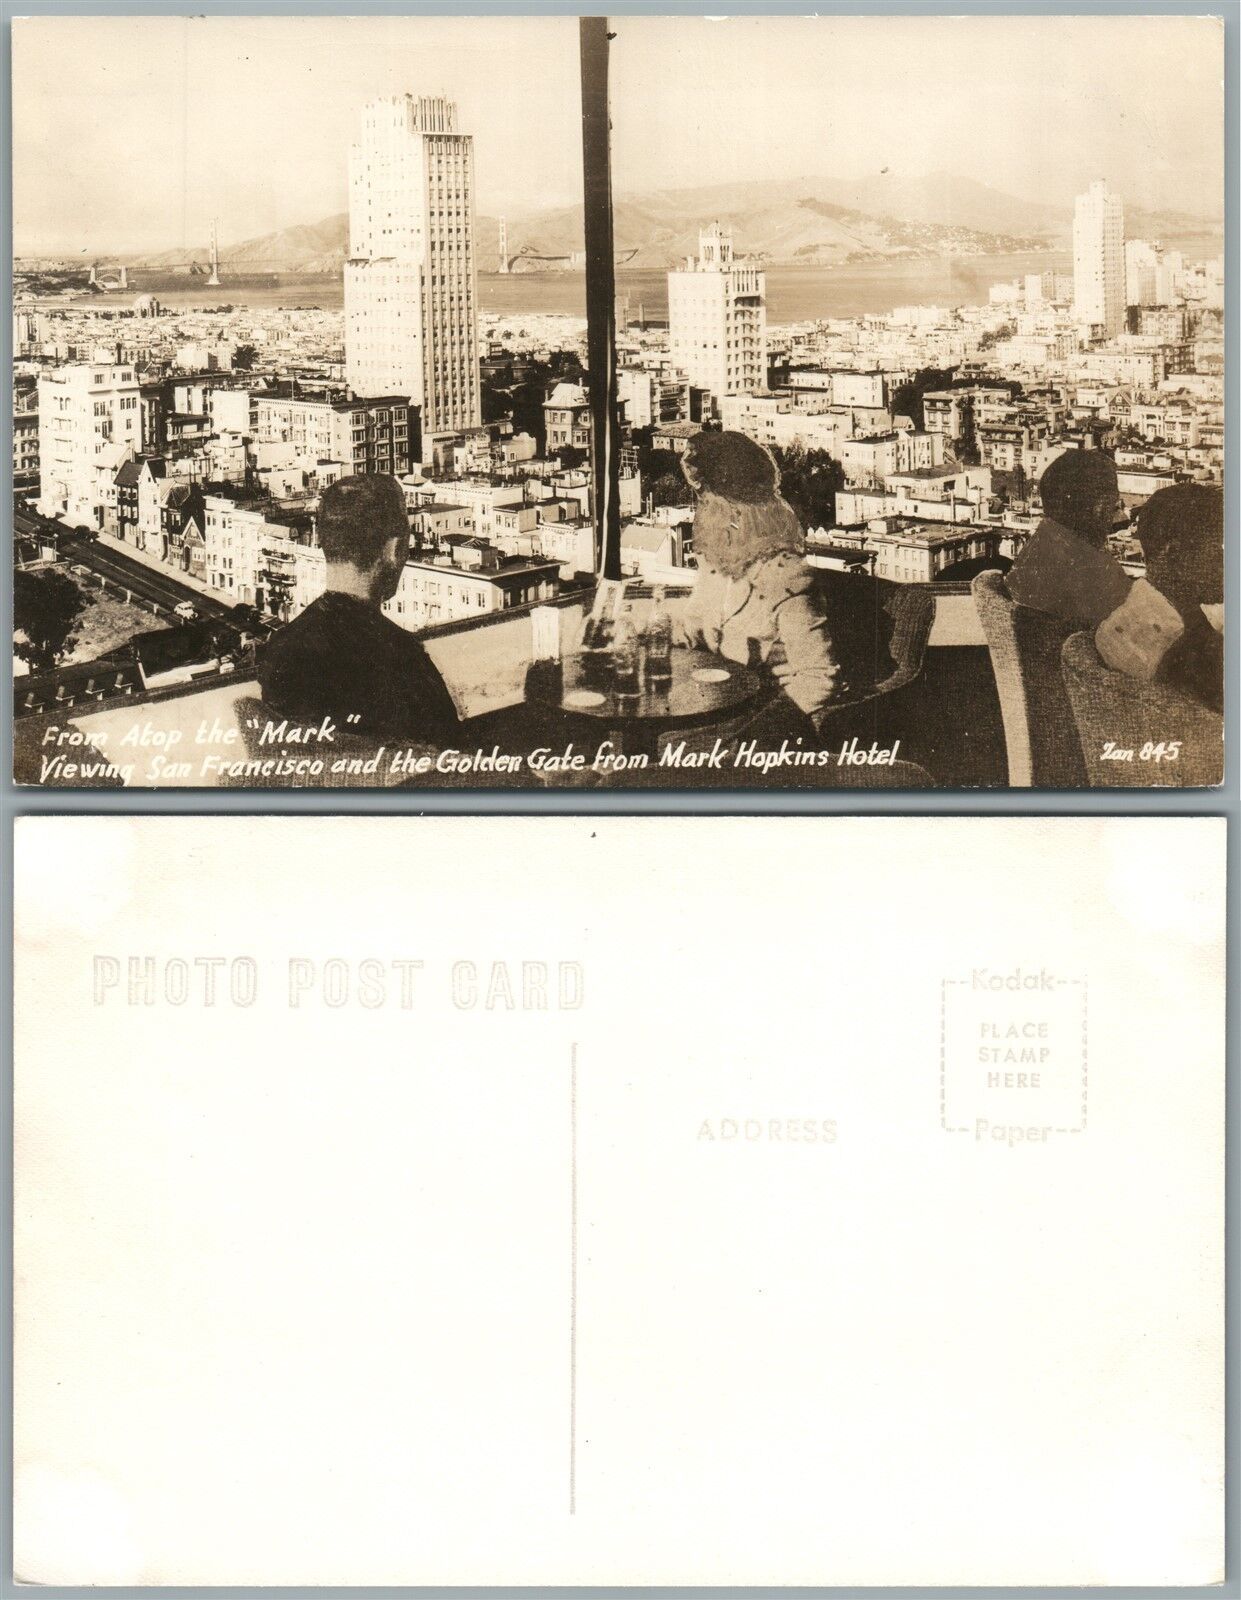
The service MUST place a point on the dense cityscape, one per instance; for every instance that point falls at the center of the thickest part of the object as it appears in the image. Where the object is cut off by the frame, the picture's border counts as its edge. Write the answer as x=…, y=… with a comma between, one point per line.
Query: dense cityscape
x=168, y=460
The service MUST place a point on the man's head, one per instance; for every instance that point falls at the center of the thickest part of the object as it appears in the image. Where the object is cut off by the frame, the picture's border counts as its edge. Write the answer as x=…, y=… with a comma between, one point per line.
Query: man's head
x=364, y=531
x=1079, y=491
x=1181, y=531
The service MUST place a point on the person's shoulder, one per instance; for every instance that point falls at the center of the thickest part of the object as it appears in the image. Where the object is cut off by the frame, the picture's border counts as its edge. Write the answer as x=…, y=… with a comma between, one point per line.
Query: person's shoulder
x=1049, y=539
x=398, y=637
x=292, y=634
x=1067, y=577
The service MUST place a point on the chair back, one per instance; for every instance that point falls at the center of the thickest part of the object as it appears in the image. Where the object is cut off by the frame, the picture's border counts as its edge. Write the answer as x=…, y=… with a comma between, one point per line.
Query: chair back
x=1040, y=734
x=1115, y=713
x=913, y=615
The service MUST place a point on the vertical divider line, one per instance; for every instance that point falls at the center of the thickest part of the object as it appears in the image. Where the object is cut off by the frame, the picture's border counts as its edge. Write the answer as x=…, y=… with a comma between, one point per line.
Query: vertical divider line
x=573, y=1279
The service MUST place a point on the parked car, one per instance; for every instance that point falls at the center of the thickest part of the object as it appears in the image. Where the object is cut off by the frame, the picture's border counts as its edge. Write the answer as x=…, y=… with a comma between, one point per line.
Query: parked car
x=186, y=610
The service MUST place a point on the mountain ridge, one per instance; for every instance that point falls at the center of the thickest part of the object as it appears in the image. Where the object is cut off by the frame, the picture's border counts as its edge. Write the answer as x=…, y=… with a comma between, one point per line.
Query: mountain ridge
x=815, y=221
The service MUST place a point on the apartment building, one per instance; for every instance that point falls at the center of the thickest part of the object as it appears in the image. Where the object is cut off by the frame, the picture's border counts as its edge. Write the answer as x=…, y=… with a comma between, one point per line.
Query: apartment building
x=874, y=460
x=85, y=410
x=373, y=435
x=902, y=552
x=566, y=418
x=483, y=496
x=651, y=394
x=25, y=435
x=717, y=318
x=474, y=580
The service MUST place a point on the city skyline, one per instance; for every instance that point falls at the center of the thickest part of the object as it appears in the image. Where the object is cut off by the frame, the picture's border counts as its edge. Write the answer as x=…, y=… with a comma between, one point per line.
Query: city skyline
x=153, y=175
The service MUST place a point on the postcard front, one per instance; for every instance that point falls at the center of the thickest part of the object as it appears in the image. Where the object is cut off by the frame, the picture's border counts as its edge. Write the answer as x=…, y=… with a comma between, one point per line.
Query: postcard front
x=527, y=402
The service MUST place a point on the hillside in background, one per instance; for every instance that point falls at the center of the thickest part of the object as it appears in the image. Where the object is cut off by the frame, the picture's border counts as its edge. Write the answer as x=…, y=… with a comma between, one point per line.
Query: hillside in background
x=796, y=221
x=309, y=247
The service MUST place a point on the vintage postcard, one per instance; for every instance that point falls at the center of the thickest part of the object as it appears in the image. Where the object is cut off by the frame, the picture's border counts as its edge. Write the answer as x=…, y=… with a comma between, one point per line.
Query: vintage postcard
x=766, y=402
x=544, y=1201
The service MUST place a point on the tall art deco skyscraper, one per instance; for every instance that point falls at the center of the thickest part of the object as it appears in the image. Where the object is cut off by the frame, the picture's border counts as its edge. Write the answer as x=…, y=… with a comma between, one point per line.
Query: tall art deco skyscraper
x=411, y=324
x=717, y=318
x=1099, y=258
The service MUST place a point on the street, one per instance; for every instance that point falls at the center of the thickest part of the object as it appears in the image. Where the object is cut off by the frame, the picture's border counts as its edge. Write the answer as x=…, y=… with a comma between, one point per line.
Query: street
x=121, y=571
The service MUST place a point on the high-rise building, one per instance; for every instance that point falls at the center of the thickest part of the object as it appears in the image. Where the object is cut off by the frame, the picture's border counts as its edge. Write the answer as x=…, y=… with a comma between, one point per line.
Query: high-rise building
x=89, y=416
x=717, y=318
x=1141, y=266
x=1169, y=277
x=1099, y=259
x=25, y=329
x=1153, y=276
x=411, y=322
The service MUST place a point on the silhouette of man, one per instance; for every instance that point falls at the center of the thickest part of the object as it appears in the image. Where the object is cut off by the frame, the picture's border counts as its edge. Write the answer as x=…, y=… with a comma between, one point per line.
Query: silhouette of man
x=1170, y=628
x=1065, y=569
x=342, y=657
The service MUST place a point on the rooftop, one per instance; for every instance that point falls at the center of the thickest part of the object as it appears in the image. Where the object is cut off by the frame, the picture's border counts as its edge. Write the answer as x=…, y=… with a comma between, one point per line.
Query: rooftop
x=930, y=536
x=567, y=394
x=926, y=474
x=505, y=567
x=167, y=648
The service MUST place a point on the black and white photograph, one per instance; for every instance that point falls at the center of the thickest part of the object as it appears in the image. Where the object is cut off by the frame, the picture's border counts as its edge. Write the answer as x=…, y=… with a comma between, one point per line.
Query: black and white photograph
x=582, y=1150
x=645, y=403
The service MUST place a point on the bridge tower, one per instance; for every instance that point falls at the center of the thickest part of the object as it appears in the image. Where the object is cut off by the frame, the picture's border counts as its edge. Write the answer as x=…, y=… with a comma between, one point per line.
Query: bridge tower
x=213, y=282
x=503, y=245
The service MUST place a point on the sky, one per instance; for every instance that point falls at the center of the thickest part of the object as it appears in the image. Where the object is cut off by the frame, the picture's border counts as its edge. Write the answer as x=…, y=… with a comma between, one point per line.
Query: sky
x=130, y=133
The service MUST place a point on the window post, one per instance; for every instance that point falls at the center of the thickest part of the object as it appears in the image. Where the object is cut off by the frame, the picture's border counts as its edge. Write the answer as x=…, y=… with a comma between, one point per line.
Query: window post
x=600, y=296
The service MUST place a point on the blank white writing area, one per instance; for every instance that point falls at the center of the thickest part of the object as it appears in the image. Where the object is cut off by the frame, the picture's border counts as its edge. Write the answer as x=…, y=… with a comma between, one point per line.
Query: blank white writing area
x=619, y=1201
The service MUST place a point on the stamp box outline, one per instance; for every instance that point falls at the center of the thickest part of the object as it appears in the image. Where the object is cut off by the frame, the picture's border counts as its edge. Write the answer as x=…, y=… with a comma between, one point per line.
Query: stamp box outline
x=1082, y=983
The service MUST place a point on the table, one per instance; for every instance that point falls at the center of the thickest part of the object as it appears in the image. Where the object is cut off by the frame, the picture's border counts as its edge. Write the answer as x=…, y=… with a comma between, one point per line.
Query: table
x=635, y=724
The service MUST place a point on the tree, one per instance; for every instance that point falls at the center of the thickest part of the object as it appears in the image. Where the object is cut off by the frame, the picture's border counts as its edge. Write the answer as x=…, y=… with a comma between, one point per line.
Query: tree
x=497, y=403
x=993, y=336
x=809, y=480
x=906, y=398
x=659, y=464
x=659, y=470
x=571, y=455
x=669, y=489
x=523, y=401
x=244, y=357
x=526, y=402
x=566, y=366
x=45, y=607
